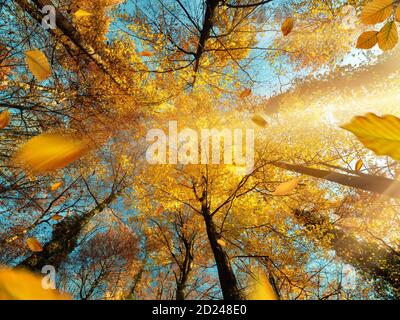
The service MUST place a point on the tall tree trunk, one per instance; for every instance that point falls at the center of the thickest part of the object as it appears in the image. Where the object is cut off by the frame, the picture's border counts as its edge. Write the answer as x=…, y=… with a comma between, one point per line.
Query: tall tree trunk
x=185, y=270
x=64, y=239
x=226, y=275
x=377, y=261
x=366, y=182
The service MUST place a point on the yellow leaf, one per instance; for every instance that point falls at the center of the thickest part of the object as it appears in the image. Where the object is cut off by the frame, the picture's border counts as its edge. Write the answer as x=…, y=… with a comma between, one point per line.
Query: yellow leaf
x=379, y=134
x=146, y=54
x=5, y=118
x=38, y=64
x=24, y=285
x=57, y=217
x=287, y=26
x=82, y=13
x=286, y=188
x=398, y=14
x=48, y=152
x=367, y=40
x=245, y=93
x=260, y=121
x=388, y=36
x=359, y=165
x=221, y=242
x=262, y=289
x=34, y=245
x=376, y=11
x=55, y=186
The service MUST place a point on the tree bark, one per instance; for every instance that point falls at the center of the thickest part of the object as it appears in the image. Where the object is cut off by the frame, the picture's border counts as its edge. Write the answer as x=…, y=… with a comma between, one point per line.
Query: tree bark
x=366, y=182
x=377, y=261
x=226, y=275
x=64, y=239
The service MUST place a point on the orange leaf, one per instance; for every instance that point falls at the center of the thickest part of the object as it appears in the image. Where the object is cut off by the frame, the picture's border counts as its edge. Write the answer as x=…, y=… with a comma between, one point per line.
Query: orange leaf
x=5, y=118
x=34, y=245
x=359, y=165
x=245, y=93
x=146, y=54
x=287, y=26
x=55, y=186
x=57, y=217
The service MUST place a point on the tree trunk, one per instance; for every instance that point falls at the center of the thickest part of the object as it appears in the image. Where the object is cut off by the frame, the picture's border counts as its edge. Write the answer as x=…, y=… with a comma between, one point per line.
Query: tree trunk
x=226, y=275
x=64, y=239
x=377, y=261
x=185, y=270
x=366, y=182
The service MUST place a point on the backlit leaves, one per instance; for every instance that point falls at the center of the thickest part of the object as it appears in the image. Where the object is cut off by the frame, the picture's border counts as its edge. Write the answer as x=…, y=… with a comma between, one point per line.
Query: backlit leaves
x=287, y=26
x=38, y=64
x=379, y=134
x=376, y=11
x=5, y=118
x=48, y=152
x=388, y=36
x=34, y=245
x=367, y=40
x=24, y=285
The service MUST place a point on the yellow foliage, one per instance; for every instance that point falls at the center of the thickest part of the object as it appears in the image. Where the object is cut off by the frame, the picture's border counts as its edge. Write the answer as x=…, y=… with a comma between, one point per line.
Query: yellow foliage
x=286, y=188
x=48, y=152
x=23, y=285
x=388, y=36
x=379, y=134
x=38, y=64
x=376, y=11
x=367, y=40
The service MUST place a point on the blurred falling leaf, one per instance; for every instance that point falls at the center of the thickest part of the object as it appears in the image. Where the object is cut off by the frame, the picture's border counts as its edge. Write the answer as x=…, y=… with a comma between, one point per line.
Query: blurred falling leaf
x=5, y=118
x=287, y=26
x=34, y=245
x=379, y=134
x=24, y=285
x=262, y=289
x=48, y=152
x=38, y=64
x=260, y=121
x=359, y=165
x=245, y=93
x=367, y=40
x=388, y=36
x=286, y=188
x=146, y=54
x=82, y=13
x=160, y=210
x=55, y=186
x=221, y=242
x=376, y=11
x=57, y=217
x=398, y=14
